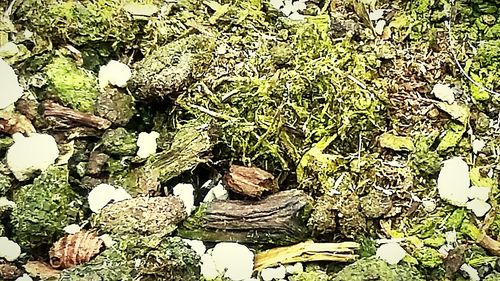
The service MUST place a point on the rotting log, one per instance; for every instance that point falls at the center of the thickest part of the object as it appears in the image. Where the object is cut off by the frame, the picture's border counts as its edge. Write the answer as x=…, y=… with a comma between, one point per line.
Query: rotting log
x=279, y=219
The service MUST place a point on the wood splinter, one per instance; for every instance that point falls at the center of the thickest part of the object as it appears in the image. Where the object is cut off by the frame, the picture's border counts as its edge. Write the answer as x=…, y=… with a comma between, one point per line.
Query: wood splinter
x=56, y=110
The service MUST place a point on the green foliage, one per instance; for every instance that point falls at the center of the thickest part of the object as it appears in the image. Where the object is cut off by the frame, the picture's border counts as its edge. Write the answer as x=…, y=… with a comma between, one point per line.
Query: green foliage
x=310, y=276
x=375, y=269
x=5, y=184
x=428, y=257
x=72, y=86
x=44, y=208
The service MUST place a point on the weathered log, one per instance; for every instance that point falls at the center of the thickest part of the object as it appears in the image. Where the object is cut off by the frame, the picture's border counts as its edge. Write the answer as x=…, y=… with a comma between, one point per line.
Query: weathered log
x=279, y=219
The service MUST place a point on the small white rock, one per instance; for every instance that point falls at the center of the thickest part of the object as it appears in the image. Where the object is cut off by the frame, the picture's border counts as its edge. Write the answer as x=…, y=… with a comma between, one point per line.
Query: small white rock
x=477, y=145
x=6, y=203
x=299, y=5
x=25, y=277
x=196, y=245
x=478, y=207
x=392, y=253
x=72, y=228
x=11, y=91
x=272, y=273
x=147, y=144
x=277, y=4
x=376, y=15
x=295, y=268
x=444, y=93
x=379, y=27
x=471, y=271
x=429, y=205
x=31, y=154
x=454, y=181
x=234, y=260
x=9, y=250
x=451, y=237
x=217, y=192
x=479, y=192
x=114, y=73
x=107, y=240
x=103, y=194
x=287, y=8
x=8, y=49
x=208, y=268
x=185, y=192
x=296, y=16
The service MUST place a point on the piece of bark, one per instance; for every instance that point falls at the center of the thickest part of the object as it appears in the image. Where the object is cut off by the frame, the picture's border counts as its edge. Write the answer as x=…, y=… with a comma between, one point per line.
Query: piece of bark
x=306, y=252
x=278, y=219
x=490, y=244
x=9, y=271
x=250, y=181
x=97, y=161
x=42, y=270
x=71, y=116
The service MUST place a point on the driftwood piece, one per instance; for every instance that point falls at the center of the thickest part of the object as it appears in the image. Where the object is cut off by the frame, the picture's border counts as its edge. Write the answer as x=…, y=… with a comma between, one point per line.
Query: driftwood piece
x=279, y=219
x=306, y=252
x=52, y=109
x=250, y=181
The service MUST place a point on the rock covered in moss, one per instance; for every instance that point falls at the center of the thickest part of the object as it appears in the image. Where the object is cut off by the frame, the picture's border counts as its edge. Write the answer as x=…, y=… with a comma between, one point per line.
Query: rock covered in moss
x=140, y=258
x=72, y=86
x=156, y=215
x=115, y=106
x=375, y=204
x=44, y=208
x=374, y=269
x=171, y=68
x=311, y=276
x=119, y=142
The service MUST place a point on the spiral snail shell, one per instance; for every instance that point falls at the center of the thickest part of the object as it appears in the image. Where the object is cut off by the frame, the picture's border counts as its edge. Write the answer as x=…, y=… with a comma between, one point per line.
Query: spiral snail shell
x=74, y=249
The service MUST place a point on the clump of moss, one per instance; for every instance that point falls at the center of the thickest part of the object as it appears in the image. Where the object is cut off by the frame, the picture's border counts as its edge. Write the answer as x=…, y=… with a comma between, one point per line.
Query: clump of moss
x=115, y=106
x=140, y=258
x=119, y=142
x=5, y=184
x=375, y=269
x=72, y=86
x=44, y=208
x=311, y=276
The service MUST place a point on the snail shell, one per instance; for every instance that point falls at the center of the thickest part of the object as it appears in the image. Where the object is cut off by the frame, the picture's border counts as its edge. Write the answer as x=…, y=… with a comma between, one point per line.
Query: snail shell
x=74, y=249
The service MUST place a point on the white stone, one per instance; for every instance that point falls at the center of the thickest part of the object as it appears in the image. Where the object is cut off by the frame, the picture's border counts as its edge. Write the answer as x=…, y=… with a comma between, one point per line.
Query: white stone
x=444, y=93
x=6, y=203
x=103, y=194
x=217, y=192
x=391, y=253
x=296, y=16
x=8, y=49
x=379, y=27
x=479, y=192
x=9, y=250
x=477, y=145
x=451, y=237
x=24, y=277
x=107, y=240
x=295, y=268
x=299, y=5
x=478, y=207
x=376, y=15
x=114, y=73
x=287, y=8
x=429, y=205
x=454, y=181
x=471, y=271
x=31, y=154
x=196, y=245
x=234, y=260
x=272, y=273
x=185, y=192
x=208, y=268
x=277, y=4
x=72, y=228
x=10, y=90
x=147, y=144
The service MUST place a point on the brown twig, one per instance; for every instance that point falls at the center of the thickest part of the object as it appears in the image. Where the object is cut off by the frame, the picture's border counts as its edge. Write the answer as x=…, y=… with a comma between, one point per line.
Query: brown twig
x=53, y=109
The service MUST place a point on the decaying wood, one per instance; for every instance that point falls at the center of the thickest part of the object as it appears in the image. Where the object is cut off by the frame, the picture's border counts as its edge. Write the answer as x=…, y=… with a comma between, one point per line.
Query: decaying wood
x=52, y=109
x=42, y=270
x=278, y=219
x=74, y=249
x=306, y=252
x=490, y=244
x=11, y=123
x=250, y=181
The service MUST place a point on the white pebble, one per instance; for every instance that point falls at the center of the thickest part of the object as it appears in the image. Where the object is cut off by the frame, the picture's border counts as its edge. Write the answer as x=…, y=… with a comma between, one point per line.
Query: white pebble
x=11, y=91
x=295, y=268
x=454, y=181
x=271, y=273
x=277, y=4
x=299, y=5
x=479, y=192
x=25, y=277
x=185, y=192
x=147, y=144
x=103, y=194
x=478, y=207
x=31, y=154
x=196, y=245
x=429, y=205
x=9, y=250
x=392, y=253
x=471, y=271
x=217, y=192
x=107, y=240
x=114, y=73
x=296, y=16
x=444, y=93
x=477, y=145
x=234, y=260
x=72, y=228
x=208, y=268
x=451, y=237
x=379, y=27
x=376, y=15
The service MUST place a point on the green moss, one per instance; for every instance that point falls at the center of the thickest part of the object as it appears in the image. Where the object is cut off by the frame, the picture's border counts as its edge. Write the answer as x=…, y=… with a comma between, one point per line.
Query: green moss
x=5, y=184
x=375, y=269
x=310, y=276
x=478, y=180
x=435, y=241
x=428, y=257
x=470, y=230
x=452, y=137
x=72, y=86
x=397, y=143
x=44, y=208
x=119, y=142
x=456, y=218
